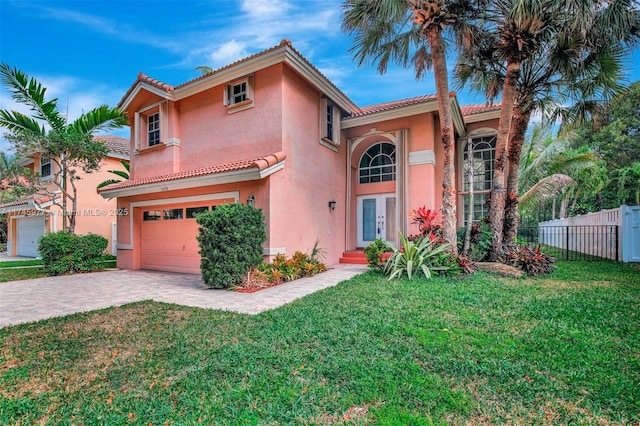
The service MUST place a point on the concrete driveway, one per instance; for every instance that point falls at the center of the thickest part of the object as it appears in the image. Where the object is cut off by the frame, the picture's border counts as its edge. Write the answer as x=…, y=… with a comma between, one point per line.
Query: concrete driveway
x=42, y=298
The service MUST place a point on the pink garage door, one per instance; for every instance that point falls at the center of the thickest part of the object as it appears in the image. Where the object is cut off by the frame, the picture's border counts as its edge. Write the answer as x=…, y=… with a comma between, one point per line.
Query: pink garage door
x=168, y=237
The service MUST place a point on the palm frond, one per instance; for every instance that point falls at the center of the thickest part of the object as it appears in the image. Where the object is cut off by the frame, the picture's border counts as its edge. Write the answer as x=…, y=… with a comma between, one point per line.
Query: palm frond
x=99, y=119
x=18, y=123
x=545, y=189
x=30, y=92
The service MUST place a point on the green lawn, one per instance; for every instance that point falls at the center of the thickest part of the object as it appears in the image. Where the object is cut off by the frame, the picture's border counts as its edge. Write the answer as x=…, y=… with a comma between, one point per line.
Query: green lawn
x=563, y=349
x=15, y=270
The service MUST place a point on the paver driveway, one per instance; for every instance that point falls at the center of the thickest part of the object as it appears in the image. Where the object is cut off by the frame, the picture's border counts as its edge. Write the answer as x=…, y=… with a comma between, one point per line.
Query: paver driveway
x=33, y=300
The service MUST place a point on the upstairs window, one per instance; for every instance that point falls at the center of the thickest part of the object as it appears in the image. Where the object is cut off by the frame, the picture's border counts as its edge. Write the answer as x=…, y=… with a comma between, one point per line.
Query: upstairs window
x=45, y=167
x=238, y=94
x=329, y=124
x=153, y=129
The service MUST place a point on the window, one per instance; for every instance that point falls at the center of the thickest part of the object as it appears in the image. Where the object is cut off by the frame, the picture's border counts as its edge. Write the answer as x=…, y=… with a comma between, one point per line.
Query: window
x=483, y=149
x=193, y=211
x=45, y=167
x=239, y=95
x=153, y=129
x=378, y=163
x=151, y=215
x=329, y=124
x=329, y=132
x=173, y=214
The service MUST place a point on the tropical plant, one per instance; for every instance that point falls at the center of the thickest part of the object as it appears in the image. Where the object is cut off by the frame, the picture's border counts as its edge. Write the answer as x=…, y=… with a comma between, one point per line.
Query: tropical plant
x=569, y=77
x=70, y=146
x=415, y=257
x=551, y=171
x=529, y=259
x=428, y=221
x=375, y=252
x=124, y=174
x=15, y=181
x=412, y=33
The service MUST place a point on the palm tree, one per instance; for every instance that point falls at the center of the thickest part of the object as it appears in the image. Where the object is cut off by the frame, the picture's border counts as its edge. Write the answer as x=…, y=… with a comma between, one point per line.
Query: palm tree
x=549, y=168
x=47, y=133
x=522, y=33
x=124, y=174
x=14, y=179
x=413, y=33
x=563, y=71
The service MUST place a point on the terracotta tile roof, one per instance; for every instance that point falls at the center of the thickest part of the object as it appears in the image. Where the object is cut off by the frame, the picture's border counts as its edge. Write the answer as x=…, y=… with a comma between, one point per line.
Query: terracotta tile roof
x=152, y=81
x=36, y=198
x=115, y=144
x=385, y=106
x=259, y=163
x=479, y=108
x=283, y=43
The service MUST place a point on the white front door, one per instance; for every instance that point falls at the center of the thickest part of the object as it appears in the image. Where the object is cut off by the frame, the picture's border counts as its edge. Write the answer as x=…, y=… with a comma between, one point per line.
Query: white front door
x=376, y=218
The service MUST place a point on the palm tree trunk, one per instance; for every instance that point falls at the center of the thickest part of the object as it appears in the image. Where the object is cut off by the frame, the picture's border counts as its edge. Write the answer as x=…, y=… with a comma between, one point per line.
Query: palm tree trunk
x=519, y=126
x=496, y=209
x=467, y=234
x=449, y=219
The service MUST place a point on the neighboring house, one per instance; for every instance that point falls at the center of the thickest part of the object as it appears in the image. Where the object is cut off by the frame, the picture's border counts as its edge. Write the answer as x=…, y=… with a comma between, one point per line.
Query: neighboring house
x=30, y=218
x=272, y=131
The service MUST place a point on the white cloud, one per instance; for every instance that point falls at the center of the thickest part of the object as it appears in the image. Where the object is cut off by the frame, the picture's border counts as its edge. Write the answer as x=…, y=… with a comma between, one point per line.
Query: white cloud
x=263, y=9
x=228, y=52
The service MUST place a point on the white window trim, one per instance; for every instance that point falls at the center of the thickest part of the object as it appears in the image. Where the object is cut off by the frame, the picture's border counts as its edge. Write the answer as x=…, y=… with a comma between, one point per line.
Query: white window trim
x=42, y=163
x=239, y=106
x=485, y=132
x=333, y=143
x=141, y=125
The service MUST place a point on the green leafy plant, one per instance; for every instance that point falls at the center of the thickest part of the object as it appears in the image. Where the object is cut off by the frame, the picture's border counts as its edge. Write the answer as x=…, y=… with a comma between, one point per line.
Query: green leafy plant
x=66, y=253
x=375, y=253
x=481, y=238
x=529, y=259
x=230, y=238
x=415, y=257
x=428, y=221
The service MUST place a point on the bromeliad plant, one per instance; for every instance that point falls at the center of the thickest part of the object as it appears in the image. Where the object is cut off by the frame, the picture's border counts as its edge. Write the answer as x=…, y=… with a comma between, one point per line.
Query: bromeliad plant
x=422, y=255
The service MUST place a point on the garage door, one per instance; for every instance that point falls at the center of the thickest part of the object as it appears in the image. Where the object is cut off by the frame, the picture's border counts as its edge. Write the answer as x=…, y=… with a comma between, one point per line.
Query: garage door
x=168, y=237
x=30, y=229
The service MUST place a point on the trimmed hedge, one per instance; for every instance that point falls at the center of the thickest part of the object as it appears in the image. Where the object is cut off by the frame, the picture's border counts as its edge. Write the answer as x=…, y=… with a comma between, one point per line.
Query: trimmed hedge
x=65, y=253
x=230, y=238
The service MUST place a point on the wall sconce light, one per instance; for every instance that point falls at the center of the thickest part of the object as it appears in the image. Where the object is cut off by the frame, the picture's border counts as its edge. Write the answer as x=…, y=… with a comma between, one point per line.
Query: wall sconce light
x=332, y=205
x=251, y=200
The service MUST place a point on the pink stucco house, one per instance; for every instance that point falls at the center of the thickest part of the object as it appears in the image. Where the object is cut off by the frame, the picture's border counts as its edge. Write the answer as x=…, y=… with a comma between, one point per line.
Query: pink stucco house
x=30, y=218
x=272, y=130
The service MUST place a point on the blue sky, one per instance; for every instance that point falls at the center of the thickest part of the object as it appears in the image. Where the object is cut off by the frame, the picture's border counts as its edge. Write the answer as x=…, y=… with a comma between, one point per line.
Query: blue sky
x=89, y=52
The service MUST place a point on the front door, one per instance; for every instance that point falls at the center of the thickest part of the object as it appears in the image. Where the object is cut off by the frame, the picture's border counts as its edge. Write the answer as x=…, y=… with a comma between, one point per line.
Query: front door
x=376, y=218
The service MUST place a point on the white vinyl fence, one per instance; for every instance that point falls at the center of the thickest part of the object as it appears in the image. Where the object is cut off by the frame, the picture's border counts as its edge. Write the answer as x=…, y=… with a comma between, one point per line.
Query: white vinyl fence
x=595, y=234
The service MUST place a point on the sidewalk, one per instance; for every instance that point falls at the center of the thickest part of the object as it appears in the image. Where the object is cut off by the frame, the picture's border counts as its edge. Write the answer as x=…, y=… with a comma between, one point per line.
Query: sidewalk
x=42, y=298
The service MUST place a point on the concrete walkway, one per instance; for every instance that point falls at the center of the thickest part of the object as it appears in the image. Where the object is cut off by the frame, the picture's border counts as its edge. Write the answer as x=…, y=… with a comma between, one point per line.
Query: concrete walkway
x=42, y=298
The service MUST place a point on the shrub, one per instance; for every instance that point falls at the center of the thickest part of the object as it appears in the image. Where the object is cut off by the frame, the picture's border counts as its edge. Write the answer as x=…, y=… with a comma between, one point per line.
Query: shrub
x=530, y=260
x=65, y=253
x=481, y=239
x=375, y=252
x=230, y=238
x=420, y=255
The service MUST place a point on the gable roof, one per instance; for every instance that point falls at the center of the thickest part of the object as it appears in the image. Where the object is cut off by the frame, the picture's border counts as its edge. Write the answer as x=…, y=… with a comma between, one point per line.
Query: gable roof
x=233, y=171
x=282, y=53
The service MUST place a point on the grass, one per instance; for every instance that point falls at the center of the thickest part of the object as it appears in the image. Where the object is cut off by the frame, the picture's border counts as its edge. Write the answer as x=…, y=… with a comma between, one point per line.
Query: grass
x=14, y=270
x=562, y=349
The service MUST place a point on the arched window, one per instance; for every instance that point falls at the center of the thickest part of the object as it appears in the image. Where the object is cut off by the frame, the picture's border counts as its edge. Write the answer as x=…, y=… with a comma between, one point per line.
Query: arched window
x=378, y=163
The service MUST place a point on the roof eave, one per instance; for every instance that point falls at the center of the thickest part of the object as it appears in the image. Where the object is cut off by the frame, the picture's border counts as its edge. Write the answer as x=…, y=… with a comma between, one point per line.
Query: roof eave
x=390, y=114
x=135, y=89
x=234, y=176
x=482, y=116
